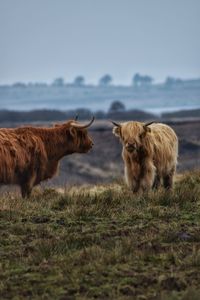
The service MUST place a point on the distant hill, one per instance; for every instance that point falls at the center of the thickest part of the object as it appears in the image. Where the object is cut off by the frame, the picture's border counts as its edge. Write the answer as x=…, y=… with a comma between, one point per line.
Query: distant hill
x=191, y=113
x=51, y=115
x=45, y=115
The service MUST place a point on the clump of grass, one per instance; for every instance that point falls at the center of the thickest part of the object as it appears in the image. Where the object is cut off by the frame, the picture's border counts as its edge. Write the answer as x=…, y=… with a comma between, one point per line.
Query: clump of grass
x=102, y=242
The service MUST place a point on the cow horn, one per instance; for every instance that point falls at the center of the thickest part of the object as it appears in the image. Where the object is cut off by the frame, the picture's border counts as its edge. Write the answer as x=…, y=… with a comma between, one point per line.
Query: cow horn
x=82, y=126
x=149, y=123
x=116, y=124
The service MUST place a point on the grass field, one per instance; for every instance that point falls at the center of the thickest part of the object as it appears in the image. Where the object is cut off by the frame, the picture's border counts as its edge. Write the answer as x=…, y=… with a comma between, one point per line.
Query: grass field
x=102, y=242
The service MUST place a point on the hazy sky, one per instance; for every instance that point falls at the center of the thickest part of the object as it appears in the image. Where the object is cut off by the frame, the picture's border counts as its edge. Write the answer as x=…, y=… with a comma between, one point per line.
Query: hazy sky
x=44, y=39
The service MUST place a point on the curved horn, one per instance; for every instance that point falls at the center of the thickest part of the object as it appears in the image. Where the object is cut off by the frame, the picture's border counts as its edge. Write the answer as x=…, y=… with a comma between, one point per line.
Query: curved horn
x=149, y=123
x=75, y=125
x=116, y=124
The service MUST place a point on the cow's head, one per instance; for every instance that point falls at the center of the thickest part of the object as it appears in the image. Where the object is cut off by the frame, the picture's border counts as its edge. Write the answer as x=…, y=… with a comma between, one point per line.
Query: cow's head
x=132, y=134
x=78, y=137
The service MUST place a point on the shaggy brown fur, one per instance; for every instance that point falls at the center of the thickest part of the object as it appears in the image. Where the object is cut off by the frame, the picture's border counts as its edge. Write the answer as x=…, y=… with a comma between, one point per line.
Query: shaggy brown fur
x=29, y=155
x=149, y=154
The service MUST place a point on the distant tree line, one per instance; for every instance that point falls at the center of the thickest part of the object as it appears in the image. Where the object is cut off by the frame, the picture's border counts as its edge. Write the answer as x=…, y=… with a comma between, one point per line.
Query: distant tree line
x=79, y=81
x=170, y=81
x=142, y=80
x=106, y=80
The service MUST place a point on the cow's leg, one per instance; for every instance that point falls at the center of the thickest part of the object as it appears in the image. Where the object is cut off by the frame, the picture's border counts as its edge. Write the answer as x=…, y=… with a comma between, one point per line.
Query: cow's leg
x=147, y=176
x=168, y=179
x=26, y=191
x=130, y=178
x=27, y=186
x=156, y=183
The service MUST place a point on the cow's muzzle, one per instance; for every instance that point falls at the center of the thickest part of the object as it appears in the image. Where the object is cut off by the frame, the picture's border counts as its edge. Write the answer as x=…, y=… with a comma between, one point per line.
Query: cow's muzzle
x=90, y=146
x=131, y=147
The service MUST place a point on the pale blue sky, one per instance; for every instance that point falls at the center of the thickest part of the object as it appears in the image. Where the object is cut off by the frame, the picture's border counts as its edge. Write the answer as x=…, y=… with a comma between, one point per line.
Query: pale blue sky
x=44, y=39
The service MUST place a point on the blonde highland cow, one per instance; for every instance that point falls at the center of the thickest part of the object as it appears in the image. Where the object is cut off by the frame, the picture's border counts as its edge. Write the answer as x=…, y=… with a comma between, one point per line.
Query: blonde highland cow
x=149, y=152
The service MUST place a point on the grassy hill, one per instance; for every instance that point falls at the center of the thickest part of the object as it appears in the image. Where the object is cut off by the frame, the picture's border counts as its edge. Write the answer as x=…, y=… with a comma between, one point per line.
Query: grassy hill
x=102, y=242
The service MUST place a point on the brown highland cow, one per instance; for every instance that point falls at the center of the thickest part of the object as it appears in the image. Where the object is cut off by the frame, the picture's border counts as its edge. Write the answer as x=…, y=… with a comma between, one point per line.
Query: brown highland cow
x=30, y=155
x=149, y=152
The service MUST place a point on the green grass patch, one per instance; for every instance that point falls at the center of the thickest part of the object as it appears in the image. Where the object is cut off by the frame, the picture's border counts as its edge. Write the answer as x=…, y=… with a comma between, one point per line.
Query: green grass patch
x=102, y=242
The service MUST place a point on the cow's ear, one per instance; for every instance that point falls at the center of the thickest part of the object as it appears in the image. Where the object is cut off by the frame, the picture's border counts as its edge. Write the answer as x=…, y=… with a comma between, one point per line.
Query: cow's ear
x=72, y=131
x=117, y=131
x=148, y=129
x=145, y=131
